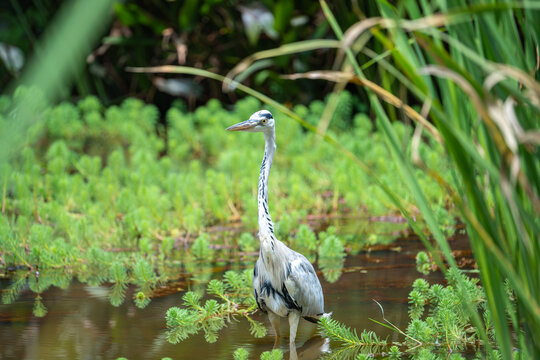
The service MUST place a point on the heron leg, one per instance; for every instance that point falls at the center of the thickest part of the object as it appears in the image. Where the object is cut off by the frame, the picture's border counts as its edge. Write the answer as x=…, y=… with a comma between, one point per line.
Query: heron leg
x=274, y=320
x=292, y=353
x=294, y=318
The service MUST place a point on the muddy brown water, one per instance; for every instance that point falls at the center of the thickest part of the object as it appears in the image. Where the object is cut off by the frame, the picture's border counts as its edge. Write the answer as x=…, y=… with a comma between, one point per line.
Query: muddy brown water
x=82, y=324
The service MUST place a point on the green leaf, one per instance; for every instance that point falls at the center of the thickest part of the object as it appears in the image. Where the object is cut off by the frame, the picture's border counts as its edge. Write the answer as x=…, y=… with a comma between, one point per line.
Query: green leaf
x=240, y=354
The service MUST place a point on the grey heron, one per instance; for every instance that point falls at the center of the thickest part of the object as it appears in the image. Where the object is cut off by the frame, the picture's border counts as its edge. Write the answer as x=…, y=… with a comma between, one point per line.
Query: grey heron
x=284, y=282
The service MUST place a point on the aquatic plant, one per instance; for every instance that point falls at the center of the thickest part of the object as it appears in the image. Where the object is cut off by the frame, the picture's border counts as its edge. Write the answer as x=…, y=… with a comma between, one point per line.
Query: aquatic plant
x=240, y=354
x=439, y=323
x=201, y=247
x=305, y=242
x=100, y=191
x=243, y=354
x=248, y=243
x=234, y=298
x=438, y=315
x=423, y=263
x=478, y=99
x=351, y=343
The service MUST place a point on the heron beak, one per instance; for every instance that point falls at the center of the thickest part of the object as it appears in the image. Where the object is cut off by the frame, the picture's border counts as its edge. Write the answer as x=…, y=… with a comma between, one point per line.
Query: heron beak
x=244, y=126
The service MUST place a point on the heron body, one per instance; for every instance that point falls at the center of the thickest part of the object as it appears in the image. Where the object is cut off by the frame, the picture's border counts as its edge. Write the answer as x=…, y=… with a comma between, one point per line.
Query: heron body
x=284, y=282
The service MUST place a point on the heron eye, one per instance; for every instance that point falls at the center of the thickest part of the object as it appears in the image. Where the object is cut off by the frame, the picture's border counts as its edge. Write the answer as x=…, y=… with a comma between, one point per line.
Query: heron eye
x=263, y=121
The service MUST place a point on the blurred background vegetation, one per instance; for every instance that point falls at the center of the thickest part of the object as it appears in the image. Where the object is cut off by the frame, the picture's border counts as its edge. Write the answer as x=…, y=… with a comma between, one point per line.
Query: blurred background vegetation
x=207, y=34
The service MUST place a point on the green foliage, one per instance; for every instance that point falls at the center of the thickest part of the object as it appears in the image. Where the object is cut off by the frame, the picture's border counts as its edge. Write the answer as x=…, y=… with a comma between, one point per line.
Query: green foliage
x=438, y=317
x=418, y=298
x=141, y=299
x=336, y=331
x=275, y=354
x=248, y=243
x=118, y=276
x=234, y=298
x=97, y=190
x=305, y=242
x=240, y=354
x=351, y=344
x=394, y=353
x=423, y=263
x=201, y=247
x=448, y=315
x=499, y=206
x=425, y=354
x=331, y=248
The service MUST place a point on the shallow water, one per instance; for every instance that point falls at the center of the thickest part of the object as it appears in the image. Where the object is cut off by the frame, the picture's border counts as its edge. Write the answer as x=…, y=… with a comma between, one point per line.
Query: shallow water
x=82, y=324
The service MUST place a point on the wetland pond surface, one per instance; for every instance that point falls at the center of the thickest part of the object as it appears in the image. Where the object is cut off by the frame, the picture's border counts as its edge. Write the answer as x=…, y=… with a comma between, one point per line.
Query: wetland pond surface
x=82, y=324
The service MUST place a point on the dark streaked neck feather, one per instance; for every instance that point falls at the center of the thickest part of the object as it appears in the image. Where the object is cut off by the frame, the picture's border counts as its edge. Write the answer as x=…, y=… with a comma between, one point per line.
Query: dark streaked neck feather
x=265, y=221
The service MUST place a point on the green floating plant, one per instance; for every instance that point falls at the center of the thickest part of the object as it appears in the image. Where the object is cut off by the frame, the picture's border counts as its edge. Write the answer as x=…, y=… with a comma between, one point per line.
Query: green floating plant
x=351, y=342
x=201, y=247
x=248, y=243
x=234, y=298
x=275, y=354
x=145, y=279
x=423, y=263
x=305, y=242
x=241, y=354
x=98, y=188
x=439, y=325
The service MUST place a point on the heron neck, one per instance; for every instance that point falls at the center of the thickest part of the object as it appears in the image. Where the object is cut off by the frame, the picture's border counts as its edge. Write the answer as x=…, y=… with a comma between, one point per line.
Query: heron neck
x=265, y=221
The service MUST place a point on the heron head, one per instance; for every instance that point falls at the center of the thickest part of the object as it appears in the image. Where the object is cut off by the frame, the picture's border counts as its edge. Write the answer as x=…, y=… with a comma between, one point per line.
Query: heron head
x=261, y=121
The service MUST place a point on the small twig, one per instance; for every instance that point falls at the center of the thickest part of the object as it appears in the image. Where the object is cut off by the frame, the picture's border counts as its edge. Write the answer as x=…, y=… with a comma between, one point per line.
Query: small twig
x=235, y=212
x=395, y=327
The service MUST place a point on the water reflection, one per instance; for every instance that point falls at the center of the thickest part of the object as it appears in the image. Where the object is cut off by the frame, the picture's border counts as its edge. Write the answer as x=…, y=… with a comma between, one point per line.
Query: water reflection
x=332, y=268
x=39, y=309
x=202, y=273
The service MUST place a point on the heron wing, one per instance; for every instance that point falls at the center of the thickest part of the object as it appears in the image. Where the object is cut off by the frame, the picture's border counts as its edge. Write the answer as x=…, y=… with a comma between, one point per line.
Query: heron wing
x=257, y=281
x=303, y=285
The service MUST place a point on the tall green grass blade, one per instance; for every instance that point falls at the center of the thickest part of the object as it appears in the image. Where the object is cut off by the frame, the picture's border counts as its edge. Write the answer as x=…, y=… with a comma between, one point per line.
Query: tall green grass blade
x=62, y=50
x=287, y=49
x=404, y=166
x=500, y=221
